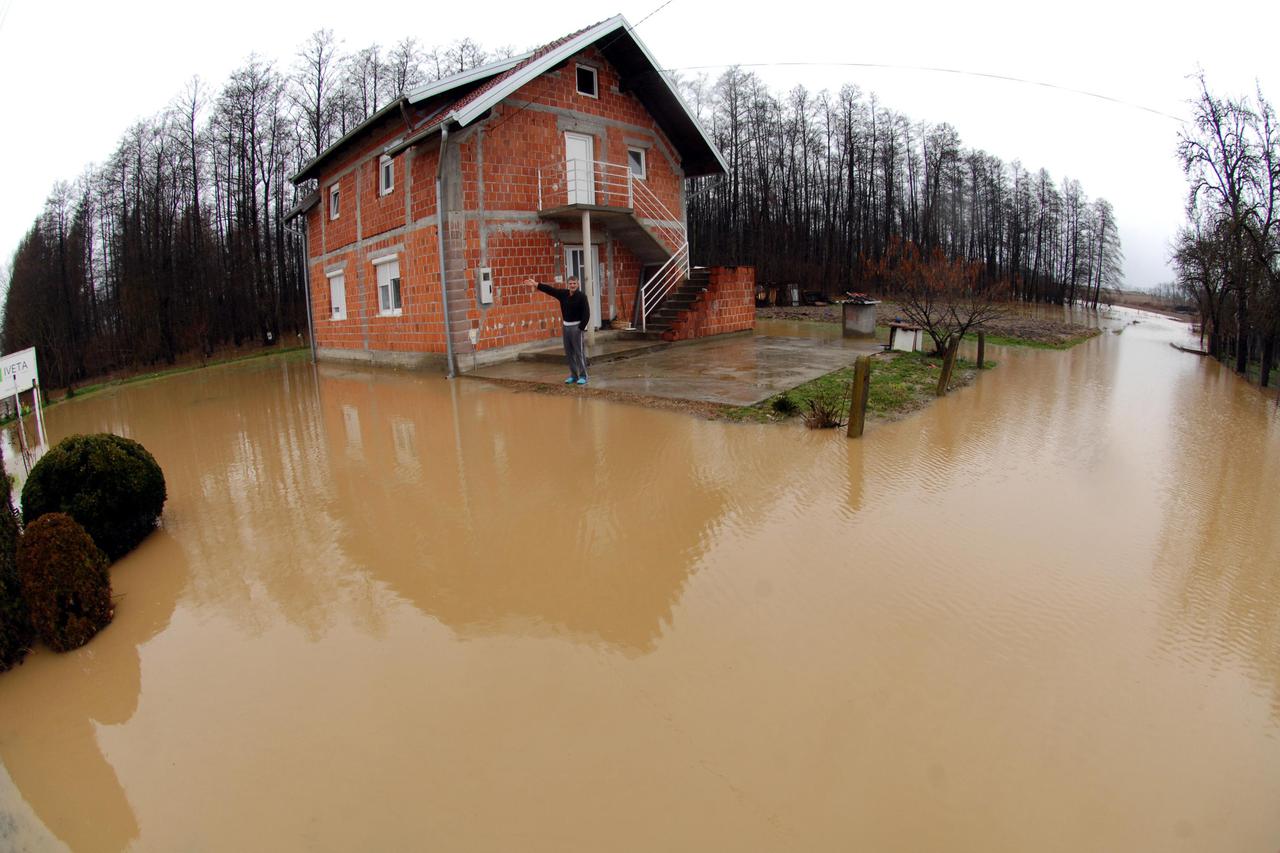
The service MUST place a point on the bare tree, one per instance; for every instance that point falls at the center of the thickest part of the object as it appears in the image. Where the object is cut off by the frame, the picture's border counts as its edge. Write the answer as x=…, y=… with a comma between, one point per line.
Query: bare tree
x=947, y=298
x=316, y=77
x=404, y=67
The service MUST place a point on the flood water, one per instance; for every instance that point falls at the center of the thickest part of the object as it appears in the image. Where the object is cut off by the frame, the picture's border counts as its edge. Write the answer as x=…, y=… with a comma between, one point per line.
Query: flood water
x=386, y=611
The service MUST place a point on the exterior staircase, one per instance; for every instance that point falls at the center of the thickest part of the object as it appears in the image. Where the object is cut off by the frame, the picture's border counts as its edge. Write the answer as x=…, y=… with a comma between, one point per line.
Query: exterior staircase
x=676, y=304
x=633, y=214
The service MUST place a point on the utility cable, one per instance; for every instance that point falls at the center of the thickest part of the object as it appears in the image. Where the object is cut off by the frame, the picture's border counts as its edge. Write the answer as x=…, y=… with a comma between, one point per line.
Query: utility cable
x=1008, y=78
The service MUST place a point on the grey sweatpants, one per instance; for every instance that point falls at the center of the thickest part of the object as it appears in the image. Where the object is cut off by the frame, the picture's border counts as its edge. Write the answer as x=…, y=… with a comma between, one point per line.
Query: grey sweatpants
x=573, y=352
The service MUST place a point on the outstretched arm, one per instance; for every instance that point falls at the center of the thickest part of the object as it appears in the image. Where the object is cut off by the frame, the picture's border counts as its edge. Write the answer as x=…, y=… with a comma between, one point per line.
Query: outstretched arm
x=545, y=288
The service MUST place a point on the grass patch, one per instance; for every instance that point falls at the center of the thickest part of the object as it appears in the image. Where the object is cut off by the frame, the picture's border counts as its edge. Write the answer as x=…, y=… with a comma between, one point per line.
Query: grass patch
x=901, y=382
x=1007, y=341
x=86, y=390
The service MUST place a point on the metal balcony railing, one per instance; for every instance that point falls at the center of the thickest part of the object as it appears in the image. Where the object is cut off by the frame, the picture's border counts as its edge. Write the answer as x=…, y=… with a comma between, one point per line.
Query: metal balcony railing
x=598, y=183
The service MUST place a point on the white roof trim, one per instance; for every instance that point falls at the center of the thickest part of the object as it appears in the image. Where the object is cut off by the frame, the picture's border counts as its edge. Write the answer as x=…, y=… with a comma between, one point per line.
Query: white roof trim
x=535, y=69
x=666, y=81
x=453, y=81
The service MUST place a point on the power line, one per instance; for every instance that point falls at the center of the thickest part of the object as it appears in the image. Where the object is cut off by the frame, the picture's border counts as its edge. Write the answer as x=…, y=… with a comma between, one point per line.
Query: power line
x=1008, y=78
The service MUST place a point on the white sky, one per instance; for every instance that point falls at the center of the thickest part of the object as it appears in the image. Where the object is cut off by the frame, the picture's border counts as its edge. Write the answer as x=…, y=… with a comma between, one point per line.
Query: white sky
x=76, y=75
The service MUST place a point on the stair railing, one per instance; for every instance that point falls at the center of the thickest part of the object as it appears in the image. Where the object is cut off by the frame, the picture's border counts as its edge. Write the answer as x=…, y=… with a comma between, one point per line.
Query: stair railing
x=568, y=182
x=647, y=205
x=668, y=276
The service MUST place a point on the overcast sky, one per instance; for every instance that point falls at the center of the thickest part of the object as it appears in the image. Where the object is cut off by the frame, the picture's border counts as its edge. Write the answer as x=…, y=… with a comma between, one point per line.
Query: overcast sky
x=76, y=75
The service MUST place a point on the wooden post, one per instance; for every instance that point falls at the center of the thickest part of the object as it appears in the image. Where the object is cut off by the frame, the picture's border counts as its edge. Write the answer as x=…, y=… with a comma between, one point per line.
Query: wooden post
x=858, y=399
x=948, y=362
x=982, y=349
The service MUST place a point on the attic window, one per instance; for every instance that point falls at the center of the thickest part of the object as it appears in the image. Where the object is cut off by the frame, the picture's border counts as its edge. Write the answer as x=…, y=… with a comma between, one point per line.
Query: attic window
x=636, y=159
x=386, y=175
x=587, y=81
x=333, y=201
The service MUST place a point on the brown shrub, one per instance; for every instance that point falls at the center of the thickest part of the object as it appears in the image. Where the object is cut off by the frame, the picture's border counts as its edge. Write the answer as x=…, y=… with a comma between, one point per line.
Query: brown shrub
x=64, y=581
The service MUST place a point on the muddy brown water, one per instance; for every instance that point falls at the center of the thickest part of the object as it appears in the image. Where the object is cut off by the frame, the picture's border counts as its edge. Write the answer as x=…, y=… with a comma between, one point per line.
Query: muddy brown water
x=390, y=612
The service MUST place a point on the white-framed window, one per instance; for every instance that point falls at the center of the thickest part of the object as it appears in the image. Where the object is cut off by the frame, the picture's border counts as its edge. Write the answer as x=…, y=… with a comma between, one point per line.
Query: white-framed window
x=636, y=159
x=333, y=201
x=388, y=269
x=386, y=175
x=337, y=296
x=587, y=82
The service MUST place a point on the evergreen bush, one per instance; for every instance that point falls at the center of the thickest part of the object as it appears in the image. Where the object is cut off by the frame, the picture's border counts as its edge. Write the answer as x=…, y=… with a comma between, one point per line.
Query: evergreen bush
x=16, y=632
x=64, y=580
x=110, y=484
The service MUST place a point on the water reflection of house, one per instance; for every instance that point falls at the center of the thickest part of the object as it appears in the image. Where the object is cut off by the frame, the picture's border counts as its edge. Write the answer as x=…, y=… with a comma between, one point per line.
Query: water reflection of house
x=568, y=160
x=493, y=534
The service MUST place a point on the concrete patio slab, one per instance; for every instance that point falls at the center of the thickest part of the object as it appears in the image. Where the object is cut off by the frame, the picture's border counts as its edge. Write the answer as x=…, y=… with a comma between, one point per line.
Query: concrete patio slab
x=735, y=370
x=608, y=346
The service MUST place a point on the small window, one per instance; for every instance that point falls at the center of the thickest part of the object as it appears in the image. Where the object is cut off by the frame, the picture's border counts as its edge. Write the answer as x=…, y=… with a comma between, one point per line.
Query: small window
x=337, y=296
x=587, y=81
x=388, y=286
x=333, y=202
x=636, y=159
x=386, y=175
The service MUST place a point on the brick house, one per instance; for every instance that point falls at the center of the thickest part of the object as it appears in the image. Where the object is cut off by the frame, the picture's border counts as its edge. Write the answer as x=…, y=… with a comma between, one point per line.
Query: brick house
x=569, y=160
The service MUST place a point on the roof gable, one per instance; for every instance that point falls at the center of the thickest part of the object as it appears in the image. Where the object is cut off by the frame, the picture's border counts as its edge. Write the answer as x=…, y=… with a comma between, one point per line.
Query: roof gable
x=499, y=80
x=634, y=61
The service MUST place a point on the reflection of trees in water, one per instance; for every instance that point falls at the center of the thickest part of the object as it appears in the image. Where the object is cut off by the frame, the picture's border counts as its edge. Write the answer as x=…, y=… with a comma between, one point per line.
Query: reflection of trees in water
x=250, y=489
x=55, y=703
x=1220, y=541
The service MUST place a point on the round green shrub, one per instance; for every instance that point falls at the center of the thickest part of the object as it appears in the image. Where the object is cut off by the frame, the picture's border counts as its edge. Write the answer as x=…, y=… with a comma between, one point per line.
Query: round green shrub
x=108, y=483
x=16, y=632
x=64, y=580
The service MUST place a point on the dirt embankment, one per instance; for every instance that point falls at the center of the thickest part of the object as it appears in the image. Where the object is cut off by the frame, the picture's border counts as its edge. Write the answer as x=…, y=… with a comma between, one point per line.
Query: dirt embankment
x=1015, y=323
x=1156, y=305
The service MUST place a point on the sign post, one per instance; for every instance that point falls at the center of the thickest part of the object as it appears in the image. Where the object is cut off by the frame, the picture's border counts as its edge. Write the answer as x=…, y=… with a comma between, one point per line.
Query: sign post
x=18, y=373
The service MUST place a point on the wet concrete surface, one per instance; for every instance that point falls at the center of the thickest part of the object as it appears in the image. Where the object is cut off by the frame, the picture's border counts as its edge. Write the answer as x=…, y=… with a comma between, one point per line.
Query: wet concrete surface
x=386, y=611
x=606, y=346
x=735, y=370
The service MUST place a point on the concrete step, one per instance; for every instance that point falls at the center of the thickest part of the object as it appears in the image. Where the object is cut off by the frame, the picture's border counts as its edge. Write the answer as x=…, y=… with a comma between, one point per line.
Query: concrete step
x=637, y=335
x=619, y=346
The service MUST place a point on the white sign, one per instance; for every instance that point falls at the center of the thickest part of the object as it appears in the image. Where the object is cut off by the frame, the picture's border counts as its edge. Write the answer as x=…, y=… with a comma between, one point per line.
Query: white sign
x=18, y=371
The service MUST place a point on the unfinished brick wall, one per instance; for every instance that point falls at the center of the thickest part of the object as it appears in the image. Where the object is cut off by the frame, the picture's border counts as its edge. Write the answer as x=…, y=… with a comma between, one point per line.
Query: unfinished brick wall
x=492, y=203
x=728, y=305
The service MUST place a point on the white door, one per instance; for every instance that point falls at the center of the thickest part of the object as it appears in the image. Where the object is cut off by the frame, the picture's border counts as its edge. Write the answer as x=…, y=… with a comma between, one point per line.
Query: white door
x=580, y=181
x=573, y=264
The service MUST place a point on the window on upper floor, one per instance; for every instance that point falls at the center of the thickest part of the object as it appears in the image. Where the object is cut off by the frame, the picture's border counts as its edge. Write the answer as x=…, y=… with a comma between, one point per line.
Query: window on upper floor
x=386, y=175
x=587, y=82
x=333, y=201
x=337, y=296
x=636, y=159
x=388, y=286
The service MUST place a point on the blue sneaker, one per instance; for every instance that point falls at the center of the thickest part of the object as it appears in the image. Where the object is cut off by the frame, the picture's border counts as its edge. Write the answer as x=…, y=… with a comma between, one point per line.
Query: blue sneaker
x=570, y=380
x=582, y=381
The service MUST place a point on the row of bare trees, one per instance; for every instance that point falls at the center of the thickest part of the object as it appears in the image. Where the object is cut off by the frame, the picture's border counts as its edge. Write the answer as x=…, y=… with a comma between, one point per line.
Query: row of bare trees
x=820, y=186
x=1227, y=257
x=178, y=243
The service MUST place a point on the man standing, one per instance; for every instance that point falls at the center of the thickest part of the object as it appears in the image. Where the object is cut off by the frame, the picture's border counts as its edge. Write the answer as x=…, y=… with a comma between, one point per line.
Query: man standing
x=576, y=313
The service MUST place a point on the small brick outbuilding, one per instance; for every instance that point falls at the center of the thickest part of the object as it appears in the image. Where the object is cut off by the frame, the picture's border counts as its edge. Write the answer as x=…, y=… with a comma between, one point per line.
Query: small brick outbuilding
x=568, y=160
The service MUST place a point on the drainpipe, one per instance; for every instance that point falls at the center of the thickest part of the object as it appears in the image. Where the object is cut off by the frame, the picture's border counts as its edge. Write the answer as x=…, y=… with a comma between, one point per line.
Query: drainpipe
x=444, y=285
x=588, y=274
x=306, y=285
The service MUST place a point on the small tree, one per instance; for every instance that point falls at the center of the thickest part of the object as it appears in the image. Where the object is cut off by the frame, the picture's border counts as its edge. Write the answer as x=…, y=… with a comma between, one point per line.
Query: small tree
x=946, y=298
x=64, y=581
